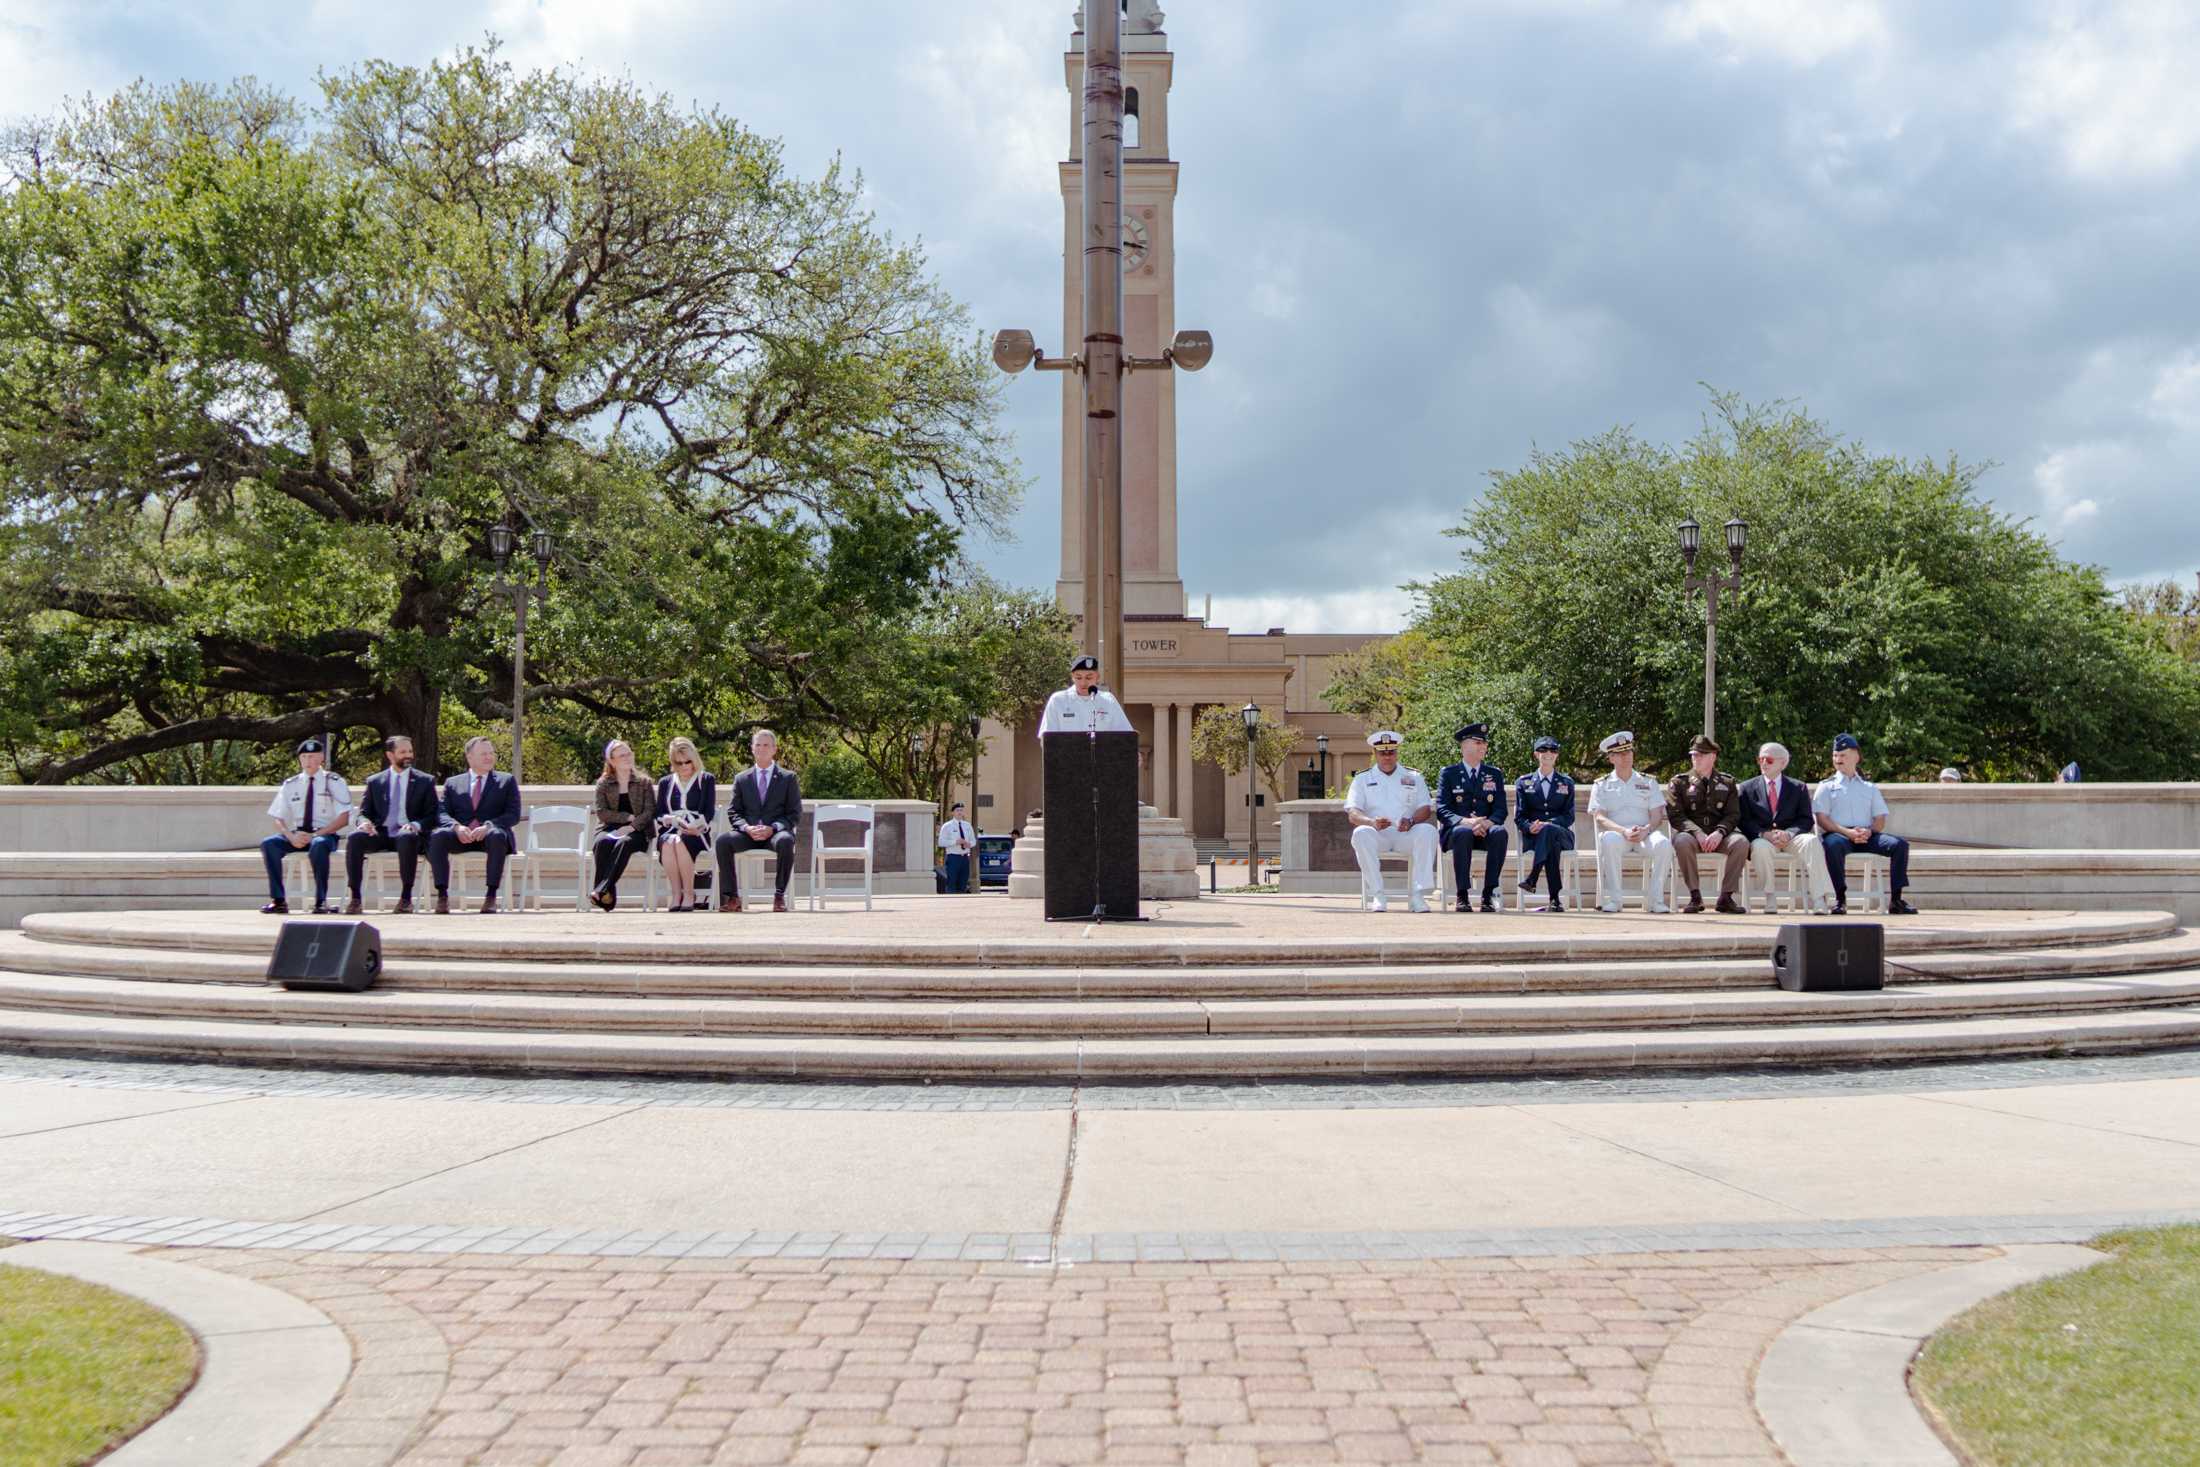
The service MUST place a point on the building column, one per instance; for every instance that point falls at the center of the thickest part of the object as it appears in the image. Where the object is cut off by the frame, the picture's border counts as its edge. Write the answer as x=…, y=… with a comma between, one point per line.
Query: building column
x=1183, y=743
x=1164, y=755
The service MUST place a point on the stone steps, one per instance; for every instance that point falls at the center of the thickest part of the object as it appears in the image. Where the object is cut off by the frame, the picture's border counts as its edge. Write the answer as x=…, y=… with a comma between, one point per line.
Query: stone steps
x=659, y=942
x=23, y=953
x=1084, y=1018
x=1151, y=1058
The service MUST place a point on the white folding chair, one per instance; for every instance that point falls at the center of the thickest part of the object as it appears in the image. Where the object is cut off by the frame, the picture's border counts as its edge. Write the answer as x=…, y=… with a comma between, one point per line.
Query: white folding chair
x=535, y=846
x=821, y=852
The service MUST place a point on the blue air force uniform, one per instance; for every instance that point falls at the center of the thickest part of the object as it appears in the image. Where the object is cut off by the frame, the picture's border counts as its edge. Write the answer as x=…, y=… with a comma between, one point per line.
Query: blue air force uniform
x=1550, y=799
x=1464, y=792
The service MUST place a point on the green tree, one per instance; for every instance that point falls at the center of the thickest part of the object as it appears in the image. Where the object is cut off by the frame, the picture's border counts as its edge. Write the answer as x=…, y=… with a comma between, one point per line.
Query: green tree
x=1218, y=738
x=1881, y=595
x=268, y=377
x=2168, y=612
x=902, y=702
x=1379, y=683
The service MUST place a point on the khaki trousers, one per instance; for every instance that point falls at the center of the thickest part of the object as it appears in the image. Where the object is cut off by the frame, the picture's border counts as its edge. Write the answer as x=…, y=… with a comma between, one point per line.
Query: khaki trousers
x=1735, y=850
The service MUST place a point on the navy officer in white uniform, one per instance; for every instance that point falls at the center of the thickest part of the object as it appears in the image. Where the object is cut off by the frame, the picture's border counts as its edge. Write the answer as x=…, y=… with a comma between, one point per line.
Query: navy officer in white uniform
x=1390, y=810
x=1084, y=706
x=1627, y=808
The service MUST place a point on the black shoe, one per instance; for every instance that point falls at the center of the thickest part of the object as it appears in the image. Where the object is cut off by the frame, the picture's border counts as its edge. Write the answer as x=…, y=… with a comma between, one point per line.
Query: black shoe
x=324, y=909
x=1731, y=907
x=277, y=908
x=1489, y=900
x=1695, y=903
x=1900, y=908
x=1527, y=882
x=604, y=897
x=1462, y=905
x=1840, y=909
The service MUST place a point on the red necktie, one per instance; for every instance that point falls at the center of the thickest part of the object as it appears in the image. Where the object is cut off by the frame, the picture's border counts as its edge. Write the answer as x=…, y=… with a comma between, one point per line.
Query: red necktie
x=477, y=797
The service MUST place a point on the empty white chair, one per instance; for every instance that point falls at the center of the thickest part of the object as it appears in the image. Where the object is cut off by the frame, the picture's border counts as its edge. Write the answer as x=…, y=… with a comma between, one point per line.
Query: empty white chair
x=536, y=845
x=822, y=851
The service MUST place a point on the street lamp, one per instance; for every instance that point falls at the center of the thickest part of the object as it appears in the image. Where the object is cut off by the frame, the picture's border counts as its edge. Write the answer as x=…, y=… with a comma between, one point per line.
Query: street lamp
x=1251, y=714
x=1103, y=362
x=1321, y=746
x=1737, y=536
x=976, y=723
x=503, y=540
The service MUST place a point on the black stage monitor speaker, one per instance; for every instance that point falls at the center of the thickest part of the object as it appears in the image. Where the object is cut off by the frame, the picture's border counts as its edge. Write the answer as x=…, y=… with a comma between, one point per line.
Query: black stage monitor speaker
x=1830, y=957
x=326, y=955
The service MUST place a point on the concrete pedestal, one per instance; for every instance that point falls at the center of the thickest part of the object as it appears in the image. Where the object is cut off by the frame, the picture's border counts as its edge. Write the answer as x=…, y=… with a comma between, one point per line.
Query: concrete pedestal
x=1166, y=860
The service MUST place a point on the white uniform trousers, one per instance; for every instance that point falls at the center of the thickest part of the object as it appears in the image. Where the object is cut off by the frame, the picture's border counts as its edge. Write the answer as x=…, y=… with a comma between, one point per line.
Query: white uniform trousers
x=1816, y=883
x=1370, y=845
x=1612, y=849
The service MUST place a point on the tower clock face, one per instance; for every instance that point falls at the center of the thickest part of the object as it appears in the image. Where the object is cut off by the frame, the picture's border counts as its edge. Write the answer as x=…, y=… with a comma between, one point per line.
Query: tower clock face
x=1134, y=242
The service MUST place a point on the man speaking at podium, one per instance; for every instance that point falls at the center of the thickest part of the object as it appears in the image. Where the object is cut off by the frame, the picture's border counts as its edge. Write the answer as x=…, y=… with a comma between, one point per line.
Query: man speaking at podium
x=1089, y=762
x=1084, y=706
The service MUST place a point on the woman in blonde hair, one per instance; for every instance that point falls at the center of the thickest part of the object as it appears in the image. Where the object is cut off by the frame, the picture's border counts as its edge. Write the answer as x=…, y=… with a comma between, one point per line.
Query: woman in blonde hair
x=626, y=819
x=687, y=802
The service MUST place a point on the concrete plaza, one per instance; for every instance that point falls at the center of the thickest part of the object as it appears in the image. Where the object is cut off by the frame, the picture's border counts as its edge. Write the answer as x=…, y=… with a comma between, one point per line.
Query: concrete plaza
x=635, y=1272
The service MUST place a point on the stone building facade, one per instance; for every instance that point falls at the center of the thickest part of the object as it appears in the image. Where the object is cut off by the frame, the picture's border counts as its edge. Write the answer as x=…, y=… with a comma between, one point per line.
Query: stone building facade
x=1175, y=663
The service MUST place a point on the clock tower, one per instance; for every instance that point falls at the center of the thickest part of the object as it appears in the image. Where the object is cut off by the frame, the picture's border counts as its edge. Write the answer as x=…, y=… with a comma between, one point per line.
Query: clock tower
x=1152, y=584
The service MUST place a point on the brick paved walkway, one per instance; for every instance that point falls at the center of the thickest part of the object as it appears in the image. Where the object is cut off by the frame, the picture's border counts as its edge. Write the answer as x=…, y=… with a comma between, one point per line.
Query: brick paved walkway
x=606, y=1362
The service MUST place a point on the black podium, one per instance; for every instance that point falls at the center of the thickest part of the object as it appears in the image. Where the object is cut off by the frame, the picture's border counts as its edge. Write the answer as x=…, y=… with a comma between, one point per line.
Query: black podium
x=1091, y=826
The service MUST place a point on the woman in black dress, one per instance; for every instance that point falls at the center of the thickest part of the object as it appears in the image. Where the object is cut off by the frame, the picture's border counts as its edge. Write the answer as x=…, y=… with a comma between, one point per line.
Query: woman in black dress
x=687, y=802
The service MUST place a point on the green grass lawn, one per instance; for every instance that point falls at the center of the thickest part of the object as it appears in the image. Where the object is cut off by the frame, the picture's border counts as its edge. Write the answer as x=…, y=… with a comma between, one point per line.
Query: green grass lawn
x=81, y=1367
x=2099, y=1368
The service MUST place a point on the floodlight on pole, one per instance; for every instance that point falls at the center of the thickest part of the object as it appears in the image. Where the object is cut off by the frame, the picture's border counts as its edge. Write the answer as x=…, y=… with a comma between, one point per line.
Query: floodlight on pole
x=1103, y=361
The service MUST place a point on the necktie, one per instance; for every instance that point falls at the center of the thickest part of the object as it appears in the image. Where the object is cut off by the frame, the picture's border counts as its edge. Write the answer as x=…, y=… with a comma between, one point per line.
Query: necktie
x=477, y=797
x=1776, y=797
x=310, y=781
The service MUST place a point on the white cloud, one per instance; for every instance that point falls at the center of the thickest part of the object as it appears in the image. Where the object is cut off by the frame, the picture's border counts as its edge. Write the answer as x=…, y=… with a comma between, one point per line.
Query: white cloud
x=2073, y=481
x=1551, y=344
x=1801, y=32
x=1368, y=609
x=2175, y=398
x=2113, y=84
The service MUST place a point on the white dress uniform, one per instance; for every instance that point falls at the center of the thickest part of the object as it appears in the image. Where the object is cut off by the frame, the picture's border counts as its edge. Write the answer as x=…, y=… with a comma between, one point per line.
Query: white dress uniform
x=1629, y=802
x=1397, y=795
x=330, y=794
x=1069, y=711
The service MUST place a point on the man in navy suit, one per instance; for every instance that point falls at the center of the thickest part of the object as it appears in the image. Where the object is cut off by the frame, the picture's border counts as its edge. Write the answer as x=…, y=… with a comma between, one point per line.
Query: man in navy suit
x=480, y=808
x=1776, y=817
x=1543, y=809
x=1470, y=806
x=764, y=809
x=396, y=814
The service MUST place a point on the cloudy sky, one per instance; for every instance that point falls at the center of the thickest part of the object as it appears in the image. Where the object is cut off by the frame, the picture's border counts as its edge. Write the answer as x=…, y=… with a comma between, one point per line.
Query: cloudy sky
x=1430, y=235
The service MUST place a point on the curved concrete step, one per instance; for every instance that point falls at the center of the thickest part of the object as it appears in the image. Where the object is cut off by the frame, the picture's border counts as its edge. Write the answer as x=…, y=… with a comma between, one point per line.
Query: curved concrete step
x=782, y=1058
x=22, y=953
x=1060, y=1019
x=659, y=942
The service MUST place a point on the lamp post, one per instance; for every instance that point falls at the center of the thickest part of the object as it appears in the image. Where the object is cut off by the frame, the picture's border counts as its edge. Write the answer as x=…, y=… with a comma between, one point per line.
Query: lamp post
x=1321, y=746
x=503, y=540
x=1103, y=361
x=1737, y=535
x=976, y=723
x=1251, y=714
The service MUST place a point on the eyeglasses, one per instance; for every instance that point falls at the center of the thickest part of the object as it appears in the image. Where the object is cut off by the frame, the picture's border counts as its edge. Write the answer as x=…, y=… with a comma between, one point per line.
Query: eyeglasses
x=682, y=763
x=1767, y=759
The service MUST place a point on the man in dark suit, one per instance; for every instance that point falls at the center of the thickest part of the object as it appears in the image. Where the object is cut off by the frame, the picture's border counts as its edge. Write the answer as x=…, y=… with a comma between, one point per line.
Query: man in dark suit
x=1470, y=809
x=396, y=815
x=764, y=809
x=1776, y=818
x=480, y=809
x=1543, y=809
